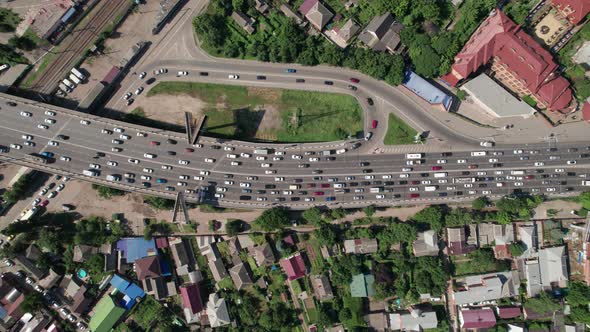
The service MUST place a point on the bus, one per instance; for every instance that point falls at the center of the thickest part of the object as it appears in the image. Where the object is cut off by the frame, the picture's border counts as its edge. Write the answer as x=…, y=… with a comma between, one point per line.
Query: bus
x=414, y=155
x=464, y=180
x=36, y=158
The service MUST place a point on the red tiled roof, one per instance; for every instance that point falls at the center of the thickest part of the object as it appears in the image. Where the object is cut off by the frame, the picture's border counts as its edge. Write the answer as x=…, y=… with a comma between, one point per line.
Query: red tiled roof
x=580, y=9
x=306, y=6
x=586, y=111
x=191, y=297
x=294, y=266
x=508, y=312
x=478, y=319
x=148, y=267
x=499, y=37
x=161, y=242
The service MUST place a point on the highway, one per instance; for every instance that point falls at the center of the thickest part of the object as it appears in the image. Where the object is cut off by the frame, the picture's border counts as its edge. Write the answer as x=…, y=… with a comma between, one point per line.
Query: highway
x=86, y=144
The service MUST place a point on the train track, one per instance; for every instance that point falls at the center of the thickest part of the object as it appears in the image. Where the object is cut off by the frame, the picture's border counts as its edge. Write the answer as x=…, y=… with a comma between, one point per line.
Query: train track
x=74, y=45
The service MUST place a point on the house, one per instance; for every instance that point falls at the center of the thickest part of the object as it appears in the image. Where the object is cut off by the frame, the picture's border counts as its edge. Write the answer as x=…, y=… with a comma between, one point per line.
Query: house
x=488, y=234
x=50, y=280
x=477, y=318
x=29, y=266
x=294, y=266
x=105, y=315
x=377, y=321
x=134, y=248
x=217, y=311
x=215, y=262
x=243, y=21
x=150, y=272
x=426, y=244
x=486, y=287
x=382, y=34
x=321, y=287
x=192, y=302
x=83, y=252
x=69, y=286
x=544, y=270
x=10, y=301
x=148, y=267
x=182, y=254
x=415, y=319
x=33, y=253
x=291, y=14
x=361, y=246
x=457, y=241
x=240, y=275
x=110, y=256
x=261, y=6
x=80, y=301
x=527, y=234
x=508, y=312
x=263, y=255
x=341, y=36
x=573, y=10
x=516, y=61
x=316, y=13
x=362, y=285
x=130, y=292
x=159, y=288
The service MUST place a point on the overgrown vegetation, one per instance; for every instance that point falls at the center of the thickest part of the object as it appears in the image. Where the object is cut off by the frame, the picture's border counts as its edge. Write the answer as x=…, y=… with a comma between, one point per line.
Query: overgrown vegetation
x=398, y=132
x=576, y=72
x=159, y=203
x=9, y=20
x=18, y=189
x=107, y=192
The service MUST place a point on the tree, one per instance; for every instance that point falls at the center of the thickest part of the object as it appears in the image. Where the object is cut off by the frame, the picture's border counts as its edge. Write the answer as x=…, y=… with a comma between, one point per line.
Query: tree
x=50, y=240
x=432, y=215
x=272, y=219
x=383, y=290
x=430, y=275
x=396, y=232
x=18, y=189
x=458, y=217
x=91, y=231
x=9, y=20
x=426, y=61
x=278, y=317
x=24, y=43
x=162, y=228
x=326, y=235
x=234, y=226
x=32, y=303
x=369, y=210
x=345, y=267
x=479, y=203
x=211, y=29
x=338, y=213
x=518, y=10
x=159, y=203
x=107, y=192
x=584, y=199
x=313, y=216
x=516, y=249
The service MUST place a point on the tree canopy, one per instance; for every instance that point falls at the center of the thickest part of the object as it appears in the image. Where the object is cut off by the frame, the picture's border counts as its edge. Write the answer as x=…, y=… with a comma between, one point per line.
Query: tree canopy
x=272, y=219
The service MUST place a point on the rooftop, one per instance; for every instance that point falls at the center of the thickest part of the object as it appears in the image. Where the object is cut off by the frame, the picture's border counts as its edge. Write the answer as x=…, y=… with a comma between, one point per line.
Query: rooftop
x=134, y=248
x=425, y=90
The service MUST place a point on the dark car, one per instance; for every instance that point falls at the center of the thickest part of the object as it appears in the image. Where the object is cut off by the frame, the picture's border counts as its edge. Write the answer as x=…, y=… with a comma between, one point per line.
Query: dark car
x=261, y=192
x=150, y=80
x=401, y=183
x=442, y=194
x=317, y=171
x=260, y=77
x=328, y=83
x=317, y=178
x=446, y=154
x=215, y=147
x=269, y=186
x=146, y=184
x=228, y=176
x=352, y=87
x=300, y=80
x=171, y=153
x=204, y=73
x=367, y=171
x=171, y=141
x=63, y=137
x=245, y=198
x=330, y=199
x=370, y=101
x=100, y=154
x=364, y=163
x=189, y=150
x=465, y=173
x=330, y=158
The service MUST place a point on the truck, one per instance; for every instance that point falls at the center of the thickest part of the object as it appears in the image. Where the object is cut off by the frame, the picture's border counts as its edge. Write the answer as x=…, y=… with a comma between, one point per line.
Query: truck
x=414, y=155
x=430, y=188
x=440, y=175
x=78, y=74
x=374, y=190
x=327, y=152
x=262, y=151
x=294, y=186
x=586, y=183
x=74, y=79
x=114, y=177
x=90, y=172
x=29, y=214
x=463, y=180
x=517, y=172
x=479, y=154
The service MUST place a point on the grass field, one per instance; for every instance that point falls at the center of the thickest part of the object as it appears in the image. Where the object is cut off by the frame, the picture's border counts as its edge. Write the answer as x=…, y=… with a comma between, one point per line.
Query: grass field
x=271, y=114
x=398, y=132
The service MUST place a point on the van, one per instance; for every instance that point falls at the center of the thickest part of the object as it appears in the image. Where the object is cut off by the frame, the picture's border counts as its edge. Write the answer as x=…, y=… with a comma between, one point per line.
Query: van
x=341, y=151
x=74, y=79
x=376, y=189
x=586, y=183
x=64, y=88
x=78, y=74
x=517, y=172
x=479, y=154
x=68, y=83
x=149, y=155
x=90, y=172
x=114, y=177
x=430, y=188
x=294, y=186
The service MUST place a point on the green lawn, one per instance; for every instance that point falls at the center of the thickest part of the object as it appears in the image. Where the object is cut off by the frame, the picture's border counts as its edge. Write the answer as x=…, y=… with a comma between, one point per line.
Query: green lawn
x=285, y=115
x=477, y=262
x=398, y=132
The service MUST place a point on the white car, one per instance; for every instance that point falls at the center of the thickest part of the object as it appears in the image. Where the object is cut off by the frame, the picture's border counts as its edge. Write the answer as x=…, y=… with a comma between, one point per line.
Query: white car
x=404, y=175
x=148, y=170
x=43, y=191
x=198, y=178
x=539, y=163
x=117, y=141
x=60, y=187
x=112, y=163
x=204, y=173
x=65, y=158
x=451, y=188
x=359, y=190
x=559, y=170
x=183, y=162
x=245, y=184
x=221, y=189
x=413, y=189
x=386, y=176
x=480, y=173
x=277, y=158
x=493, y=160
x=298, y=157
x=407, y=169
x=209, y=160
x=369, y=177
x=233, y=77
x=265, y=165
x=314, y=159
x=517, y=151
x=166, y=167
x=107, y=132
x=228, y=182
x=309, y=199
x=518, y=184
x=146, y=177
x=228, y=148
x=26, y=114
x=550, y=189
x=29, y=143
x=181, y=184
x=84, y=122
x=486, y=192
x=270, y=171
x=245, y=155
x=261, y=199
x=27, y=137
x=133, y=161
x=380, y=196
x=251, y=178
x=53, y=143
x=50, y=113
x=184, y=177
x=50, y=121
x=139, y=90
x=235, y=163
x=116, y=149
x=42, y=126
x=95, y=166
x=260, y=158
x=142, y=74
x=441, y=161
x=425, y=182
x=219, y=195
x=279, y=179
x=571, y=162
x=52, y=194
x=468, y=185
x=125, y=137
x=16, y=146
x=141, y=134
x=182, y=73
x=461, y=161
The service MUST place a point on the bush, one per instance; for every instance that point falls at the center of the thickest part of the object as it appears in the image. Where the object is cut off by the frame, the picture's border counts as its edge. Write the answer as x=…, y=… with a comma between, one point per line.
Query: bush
x=107, y=192
x=18, y=189
x=272, y=219
x=159, y=203
x=234, y=226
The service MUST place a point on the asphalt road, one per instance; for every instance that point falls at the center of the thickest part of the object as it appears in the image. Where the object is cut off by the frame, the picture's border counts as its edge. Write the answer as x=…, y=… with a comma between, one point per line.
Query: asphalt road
x=384, y=171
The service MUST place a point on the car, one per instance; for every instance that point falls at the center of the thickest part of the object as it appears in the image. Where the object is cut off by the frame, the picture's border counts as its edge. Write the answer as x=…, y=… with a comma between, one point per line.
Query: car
x=354, y=80
x=85, y=122
x=233, y=76
x=127, y=96
x=27, y=137
x=539, y=163
x=436, y=168
x=130, y=101
x=60, y=187
x=16, y=146
x=65, y=158
x=524, y=158
x=517, y=151
x=558, y=170
x=290, y=70
x=518, y=184
x=493, y=160
x=182, y=73
x=374, y=124
x=53, y=143
x=29, y=143
x=300, y=80
x=571, y=162
x=209, y=160
x=554, y=157
x=112, y=163
x=183, y=162
x=95, y=166
x=328, y=83
x=260, y=77
x=160, y=71
x=117, y=141
x=368, y=136
x=235, y=163
x=370, y=102
x=50, y=113
x=181, y=184
x=139, y=90
x=52, y=194
x=441, y=161
x=26, y=114
x=189, y=150
x=145, y=177
x=550, y=189
x=472, y=166
x=171, y=141
x=461, y=161
x=166, y=167
x=314, y=159
x=142, y=74
x=352, y=87
x=42, y=126
x=124, y=137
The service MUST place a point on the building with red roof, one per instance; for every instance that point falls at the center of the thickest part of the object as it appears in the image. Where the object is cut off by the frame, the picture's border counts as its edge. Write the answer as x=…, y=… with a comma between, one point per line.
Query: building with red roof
x=477, y=318
x=191, y=297
x=586, y=111
x=294, y=266
x=148, y=267
x=508, y=312
x=573, y=10
x=515, y=60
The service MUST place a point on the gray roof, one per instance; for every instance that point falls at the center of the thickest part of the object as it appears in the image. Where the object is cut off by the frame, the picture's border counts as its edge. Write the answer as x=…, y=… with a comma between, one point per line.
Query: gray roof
x=319, y=15
x=289, y=12
x=321, y=287
x=263, y=255
x=553, y=265
x=532, y=274
x=183, y=256
x=243, y=21
x=217, y=311
x=382, y=33
x=217, y=269
x=495, y=100
x=499, y=234
x=361, y=246
x=415, y=320
x=240, y=276
x=348, y=30
x=488, y=287
x=426, y=244
x=528, y=236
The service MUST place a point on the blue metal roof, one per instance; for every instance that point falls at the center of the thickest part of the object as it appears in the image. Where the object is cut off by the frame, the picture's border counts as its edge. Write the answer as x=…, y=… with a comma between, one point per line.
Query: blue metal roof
x=130, y=290
x=68, y=15
x=426, y=90
x=135, y=248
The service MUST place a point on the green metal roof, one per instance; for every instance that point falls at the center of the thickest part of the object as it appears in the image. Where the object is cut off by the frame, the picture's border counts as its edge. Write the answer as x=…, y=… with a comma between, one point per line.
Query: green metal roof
x=106, y=315
x=362, y=285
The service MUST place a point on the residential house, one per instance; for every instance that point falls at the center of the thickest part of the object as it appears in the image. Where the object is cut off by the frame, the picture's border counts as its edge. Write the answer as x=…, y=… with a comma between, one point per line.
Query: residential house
x=244, y=21
x=217, y=311
x=508, y=312
x=33, y=253
x=544, y=270
x=321, y=287
x=149, y=271
x=426, y=244
x=182, y=254
x=261, y=6
x=415, y=319
x=110, y=256
x=489, y=234
x=215, y=262
x=148, y=267
x=133, y=248
x=83, y=252
x=477, y=318
x=128, y=292
x=377, y=321
x=486, y=287
x=527, y=234
x=69, y=286
x=516, y=61
x=10, y=301
x=233, y=244
x=382, y=34
x=290, y=13
x=263, y=255
x=316, y=13
x=29, y=266
x=361, y=246
x=457, y=241
x=50, y=280
x=341, y=36
x=240, y=275
x=294, y=266
x=362, y=285
x=105, y=315
x=80, y=301
x=192, y=302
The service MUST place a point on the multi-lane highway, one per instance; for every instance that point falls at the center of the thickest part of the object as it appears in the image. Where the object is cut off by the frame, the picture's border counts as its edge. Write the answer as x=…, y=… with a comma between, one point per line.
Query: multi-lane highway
x=231, y=173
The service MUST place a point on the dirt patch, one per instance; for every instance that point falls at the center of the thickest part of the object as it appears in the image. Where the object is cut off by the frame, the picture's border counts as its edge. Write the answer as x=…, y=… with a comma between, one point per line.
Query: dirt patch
x=269, y=95
x=562, y=209
x=271, y=122
x=170, y=109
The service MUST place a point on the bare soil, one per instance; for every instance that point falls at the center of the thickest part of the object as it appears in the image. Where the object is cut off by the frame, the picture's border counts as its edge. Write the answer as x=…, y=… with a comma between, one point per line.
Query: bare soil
x=171, y=109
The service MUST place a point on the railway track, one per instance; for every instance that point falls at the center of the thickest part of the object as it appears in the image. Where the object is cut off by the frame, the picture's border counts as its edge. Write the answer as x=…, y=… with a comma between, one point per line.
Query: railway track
x=79, y=41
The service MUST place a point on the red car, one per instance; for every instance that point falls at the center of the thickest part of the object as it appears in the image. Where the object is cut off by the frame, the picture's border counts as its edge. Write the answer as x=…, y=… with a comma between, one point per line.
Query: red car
x=529, y=177
x=189, y=150
x=318, y=193
x=354, y=80
x=472, y=166
x=154, y=143
x=414, y=195
x=44, y=203
x=374, y=124
x=310, y=185
x=436, y=168
x=325, y=185
x=415, y=182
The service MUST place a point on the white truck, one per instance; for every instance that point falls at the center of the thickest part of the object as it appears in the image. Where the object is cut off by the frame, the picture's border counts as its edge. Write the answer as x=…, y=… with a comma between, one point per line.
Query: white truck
x=440, y=175
x=74, y=79
x=90, y=172
x=374, y=190
x=586, y=183
x=78, y=74
x=68, y=83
